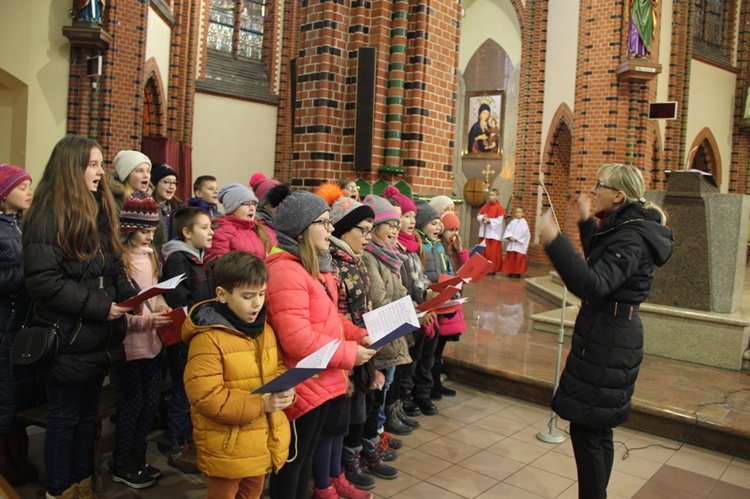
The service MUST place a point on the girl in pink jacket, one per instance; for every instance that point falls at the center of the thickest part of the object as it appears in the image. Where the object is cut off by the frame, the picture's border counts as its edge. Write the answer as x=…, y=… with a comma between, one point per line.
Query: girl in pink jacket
x=302, y=307
x=238, y=229
x=140, y=378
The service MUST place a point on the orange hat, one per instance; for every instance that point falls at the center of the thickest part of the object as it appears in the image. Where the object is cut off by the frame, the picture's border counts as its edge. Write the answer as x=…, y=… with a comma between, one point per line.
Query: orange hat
x=451, y=221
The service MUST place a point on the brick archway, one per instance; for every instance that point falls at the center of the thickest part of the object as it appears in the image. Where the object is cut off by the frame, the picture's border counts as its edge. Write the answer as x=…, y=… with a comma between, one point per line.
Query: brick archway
x=556, y=166
x=153, y=100
x=705, y=154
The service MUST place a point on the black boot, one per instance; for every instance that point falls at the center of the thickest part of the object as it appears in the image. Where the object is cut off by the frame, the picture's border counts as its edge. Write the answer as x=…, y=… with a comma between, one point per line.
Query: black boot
x=140, y=452
x=410, y=408
x=10, y=471
x=372, y=462
x=393, y=424
x=401, y=415
x=352, y=470
x=426, y=406
x=127, y=470
x=18, y=445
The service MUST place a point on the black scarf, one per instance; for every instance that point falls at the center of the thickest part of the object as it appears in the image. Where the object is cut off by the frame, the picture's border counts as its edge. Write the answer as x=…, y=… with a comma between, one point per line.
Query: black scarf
x=251, y=329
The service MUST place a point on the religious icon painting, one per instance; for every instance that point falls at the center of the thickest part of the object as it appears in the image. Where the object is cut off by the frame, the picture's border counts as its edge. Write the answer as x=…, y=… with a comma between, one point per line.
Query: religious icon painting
x=484, y=120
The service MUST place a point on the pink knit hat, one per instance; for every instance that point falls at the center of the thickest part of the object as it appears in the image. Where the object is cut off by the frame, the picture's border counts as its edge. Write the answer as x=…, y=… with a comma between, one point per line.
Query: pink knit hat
x=384, y=211
x=261, y=185
x=10, y=178
x=403, y=201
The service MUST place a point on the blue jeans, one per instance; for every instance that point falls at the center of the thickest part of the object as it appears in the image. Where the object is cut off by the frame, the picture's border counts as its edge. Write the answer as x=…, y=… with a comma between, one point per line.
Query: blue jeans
x=389, y=372
x=69, y=440
x=179, y=426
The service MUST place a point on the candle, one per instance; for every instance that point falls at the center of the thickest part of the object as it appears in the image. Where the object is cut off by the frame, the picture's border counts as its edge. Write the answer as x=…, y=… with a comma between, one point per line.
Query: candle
x=93, y=9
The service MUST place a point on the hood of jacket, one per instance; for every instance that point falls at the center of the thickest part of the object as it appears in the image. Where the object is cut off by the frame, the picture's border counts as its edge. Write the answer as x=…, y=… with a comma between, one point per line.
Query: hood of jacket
x=176, y=245
x=203, y=316
x=659, y=238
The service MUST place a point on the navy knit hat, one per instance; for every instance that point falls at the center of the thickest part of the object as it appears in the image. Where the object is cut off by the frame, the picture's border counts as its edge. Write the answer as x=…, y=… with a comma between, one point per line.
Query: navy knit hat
x=297, y=211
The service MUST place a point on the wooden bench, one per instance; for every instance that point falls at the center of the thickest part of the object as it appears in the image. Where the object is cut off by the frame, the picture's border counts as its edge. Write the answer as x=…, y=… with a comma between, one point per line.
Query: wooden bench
x=6, y=491
x=109, y=402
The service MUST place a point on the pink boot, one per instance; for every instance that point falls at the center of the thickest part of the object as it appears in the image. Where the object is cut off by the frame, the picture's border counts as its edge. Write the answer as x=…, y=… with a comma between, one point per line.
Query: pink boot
x=346, y=490
x=326, y=493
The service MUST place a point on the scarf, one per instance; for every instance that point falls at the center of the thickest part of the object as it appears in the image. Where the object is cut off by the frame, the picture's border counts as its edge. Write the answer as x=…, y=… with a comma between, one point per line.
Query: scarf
x=288, y=244
x=389, y=256
x=251, y=329
x=409, y=241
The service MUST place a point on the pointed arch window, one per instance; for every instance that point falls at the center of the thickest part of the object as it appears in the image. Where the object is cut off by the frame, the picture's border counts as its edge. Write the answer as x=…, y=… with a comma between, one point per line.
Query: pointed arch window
x=236, y=27
x=713, y=34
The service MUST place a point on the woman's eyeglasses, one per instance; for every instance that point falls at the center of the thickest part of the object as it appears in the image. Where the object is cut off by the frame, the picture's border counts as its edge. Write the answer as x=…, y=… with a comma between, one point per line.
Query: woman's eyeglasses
x=325, y=222
x=364, y=230
x=394, y=225
x=352, y=188
x=170, y=184
x=600, y=184
x=252, y=204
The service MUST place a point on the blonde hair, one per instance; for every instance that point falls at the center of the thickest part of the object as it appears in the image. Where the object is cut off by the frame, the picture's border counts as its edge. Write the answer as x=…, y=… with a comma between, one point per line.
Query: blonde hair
x=129, y=246
x=629, y=180
x=307, y=254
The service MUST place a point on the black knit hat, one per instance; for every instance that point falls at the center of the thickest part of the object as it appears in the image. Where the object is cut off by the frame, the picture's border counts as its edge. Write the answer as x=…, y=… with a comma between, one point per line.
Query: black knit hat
x=161, y=170
x=138, y=212
x=346, y=213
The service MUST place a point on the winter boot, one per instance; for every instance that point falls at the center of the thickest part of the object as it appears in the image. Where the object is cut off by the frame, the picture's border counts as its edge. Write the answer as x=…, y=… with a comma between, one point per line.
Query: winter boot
x=410, y=408
x=18, y=444
x=8, y=469
x=393, y=424
x=346, y=490
x=438, y=389
x=84, y=489
x=387, y=454
x=401, y=415
x=326, y=493
x=69, y=493
x=393, y=443
x=426, y=406
x=371, y=461
x=352, y=470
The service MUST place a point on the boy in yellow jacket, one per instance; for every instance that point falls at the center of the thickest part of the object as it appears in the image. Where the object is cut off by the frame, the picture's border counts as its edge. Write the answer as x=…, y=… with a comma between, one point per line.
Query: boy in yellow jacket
x=240, y=437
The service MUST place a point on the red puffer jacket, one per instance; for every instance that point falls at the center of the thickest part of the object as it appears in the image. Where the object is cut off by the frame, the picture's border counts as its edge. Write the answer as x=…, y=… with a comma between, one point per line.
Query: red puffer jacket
x=305, y=316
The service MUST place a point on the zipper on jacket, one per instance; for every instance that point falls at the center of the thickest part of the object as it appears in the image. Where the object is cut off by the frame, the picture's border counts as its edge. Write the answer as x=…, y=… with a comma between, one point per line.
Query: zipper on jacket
x=77, y=330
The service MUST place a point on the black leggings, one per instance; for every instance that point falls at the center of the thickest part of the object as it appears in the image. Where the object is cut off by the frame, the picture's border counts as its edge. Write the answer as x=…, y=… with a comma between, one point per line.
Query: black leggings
x=594, y=452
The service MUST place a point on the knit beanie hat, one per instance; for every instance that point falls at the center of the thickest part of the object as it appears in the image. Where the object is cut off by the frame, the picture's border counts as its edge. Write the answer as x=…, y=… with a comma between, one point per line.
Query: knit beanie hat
x=441, y=203
x=403, y=201
x=139, y=212
x=346, y=213
x=126, y=161
x=161, y=170
x=10, y=178
x=297, y=211
x=451, y=221
x=425, y=214
x=384, y=211
x=260, y=184
x=234, y=195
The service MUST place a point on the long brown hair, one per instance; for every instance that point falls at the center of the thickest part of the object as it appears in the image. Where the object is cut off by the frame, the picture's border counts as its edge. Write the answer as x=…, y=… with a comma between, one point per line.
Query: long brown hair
x=63, y=198
x=262, y=234
x=307, y=254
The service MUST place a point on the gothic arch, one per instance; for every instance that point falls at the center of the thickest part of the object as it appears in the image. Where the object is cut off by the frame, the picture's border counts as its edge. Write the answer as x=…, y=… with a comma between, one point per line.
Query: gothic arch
x=658, y=177
x=558, y=153
x=704, y=154
x=153, y=100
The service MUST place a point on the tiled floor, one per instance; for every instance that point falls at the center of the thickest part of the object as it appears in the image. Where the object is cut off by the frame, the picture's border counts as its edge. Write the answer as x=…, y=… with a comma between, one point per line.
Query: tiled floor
x=483, y=445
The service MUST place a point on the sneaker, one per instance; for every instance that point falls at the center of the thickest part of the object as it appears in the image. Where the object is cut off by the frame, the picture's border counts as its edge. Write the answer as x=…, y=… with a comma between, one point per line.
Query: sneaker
x=411, y=409
x=184, y=459
x=346, y=490
x=393, y=443
x=427, y=407
x=133, y=479
x=372, y=463
x=386, y=453
x=353, y=471
x=326, y=493
x=151, y=471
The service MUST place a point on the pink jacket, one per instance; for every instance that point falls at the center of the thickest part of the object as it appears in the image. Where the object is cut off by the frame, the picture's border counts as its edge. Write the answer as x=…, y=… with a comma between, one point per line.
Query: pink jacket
x=305, y=317
x=455, y=324
x=141, y=340
x=232, y=233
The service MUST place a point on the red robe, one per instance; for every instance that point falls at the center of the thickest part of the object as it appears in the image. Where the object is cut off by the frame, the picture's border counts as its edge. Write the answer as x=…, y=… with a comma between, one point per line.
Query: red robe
x=494, y=250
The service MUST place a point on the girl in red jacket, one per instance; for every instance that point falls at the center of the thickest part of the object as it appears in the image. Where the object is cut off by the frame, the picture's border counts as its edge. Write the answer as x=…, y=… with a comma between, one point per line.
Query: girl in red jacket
x=302, y=303
x=238, y=229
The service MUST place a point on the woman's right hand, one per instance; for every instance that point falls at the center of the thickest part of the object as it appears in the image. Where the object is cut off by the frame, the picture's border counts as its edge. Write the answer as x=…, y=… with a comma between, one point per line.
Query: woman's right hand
x=363, y=355
x=582, y=203
x=116, y=311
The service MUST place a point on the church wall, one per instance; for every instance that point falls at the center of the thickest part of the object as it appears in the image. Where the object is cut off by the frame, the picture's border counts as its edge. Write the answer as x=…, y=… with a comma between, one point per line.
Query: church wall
x=158, y=44
x=39, y=59
x=232, y=139
x=711, y=104
x=485, y=19
x=662, y=81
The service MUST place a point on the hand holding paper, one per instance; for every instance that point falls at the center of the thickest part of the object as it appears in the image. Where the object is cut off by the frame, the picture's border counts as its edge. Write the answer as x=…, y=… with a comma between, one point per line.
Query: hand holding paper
x=307, y=367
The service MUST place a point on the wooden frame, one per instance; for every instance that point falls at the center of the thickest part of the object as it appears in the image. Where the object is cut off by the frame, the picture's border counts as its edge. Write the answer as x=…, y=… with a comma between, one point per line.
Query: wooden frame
x=482, y=139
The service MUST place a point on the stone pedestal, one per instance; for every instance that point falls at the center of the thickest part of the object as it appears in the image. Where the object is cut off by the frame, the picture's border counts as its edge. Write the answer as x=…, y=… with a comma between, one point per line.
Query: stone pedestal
x=707, y=269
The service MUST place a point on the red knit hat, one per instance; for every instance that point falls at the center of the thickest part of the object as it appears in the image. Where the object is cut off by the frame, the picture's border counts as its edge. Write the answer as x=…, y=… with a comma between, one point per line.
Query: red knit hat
x=451, y=221
x=139, y=212
x=10, y=178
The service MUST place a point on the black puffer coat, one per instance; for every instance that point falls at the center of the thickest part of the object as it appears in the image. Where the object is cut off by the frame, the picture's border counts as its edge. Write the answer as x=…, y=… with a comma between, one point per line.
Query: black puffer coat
x=17, y=384
x=77, y=296
x=607, y=347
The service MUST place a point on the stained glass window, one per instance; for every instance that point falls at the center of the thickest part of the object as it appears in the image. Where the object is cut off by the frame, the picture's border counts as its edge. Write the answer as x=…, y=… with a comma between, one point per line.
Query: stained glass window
x=236, y=27
x=709, y=27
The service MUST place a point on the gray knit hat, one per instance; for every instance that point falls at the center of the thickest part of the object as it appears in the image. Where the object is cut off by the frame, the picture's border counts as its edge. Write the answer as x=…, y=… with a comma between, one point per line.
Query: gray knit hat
x=234, y=195
x=346, y=213
x=425, y=214
x=297, y=211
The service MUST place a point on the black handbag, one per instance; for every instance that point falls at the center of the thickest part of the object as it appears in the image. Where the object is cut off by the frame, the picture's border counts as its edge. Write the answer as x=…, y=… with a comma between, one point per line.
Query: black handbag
x=34, y=346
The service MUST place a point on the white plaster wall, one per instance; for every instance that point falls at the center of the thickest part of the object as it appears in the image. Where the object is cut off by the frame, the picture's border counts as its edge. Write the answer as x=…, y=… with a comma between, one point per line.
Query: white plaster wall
x=158, y=43
x=665, y=43
x=711, y=105
x=560, y=70
x=494, y=19
x=36, y=53
x=232, y=139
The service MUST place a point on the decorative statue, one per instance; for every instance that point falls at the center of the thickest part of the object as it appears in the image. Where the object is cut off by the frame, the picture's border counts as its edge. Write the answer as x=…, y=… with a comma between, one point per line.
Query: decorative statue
x=88, y=10
x=641, y=27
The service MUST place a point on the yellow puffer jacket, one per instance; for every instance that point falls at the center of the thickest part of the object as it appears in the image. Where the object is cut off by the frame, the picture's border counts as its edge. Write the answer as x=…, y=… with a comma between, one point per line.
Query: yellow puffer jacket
x=233, y=435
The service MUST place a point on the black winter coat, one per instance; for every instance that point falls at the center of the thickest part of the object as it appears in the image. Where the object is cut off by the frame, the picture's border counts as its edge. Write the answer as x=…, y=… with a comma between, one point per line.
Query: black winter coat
x=607, y=349
x=17, y=384
x=77, y=296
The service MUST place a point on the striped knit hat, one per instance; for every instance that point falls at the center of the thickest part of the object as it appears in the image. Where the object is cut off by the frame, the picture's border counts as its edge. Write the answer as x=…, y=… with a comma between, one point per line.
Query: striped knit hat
x=138, y=212
x=10, y=178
